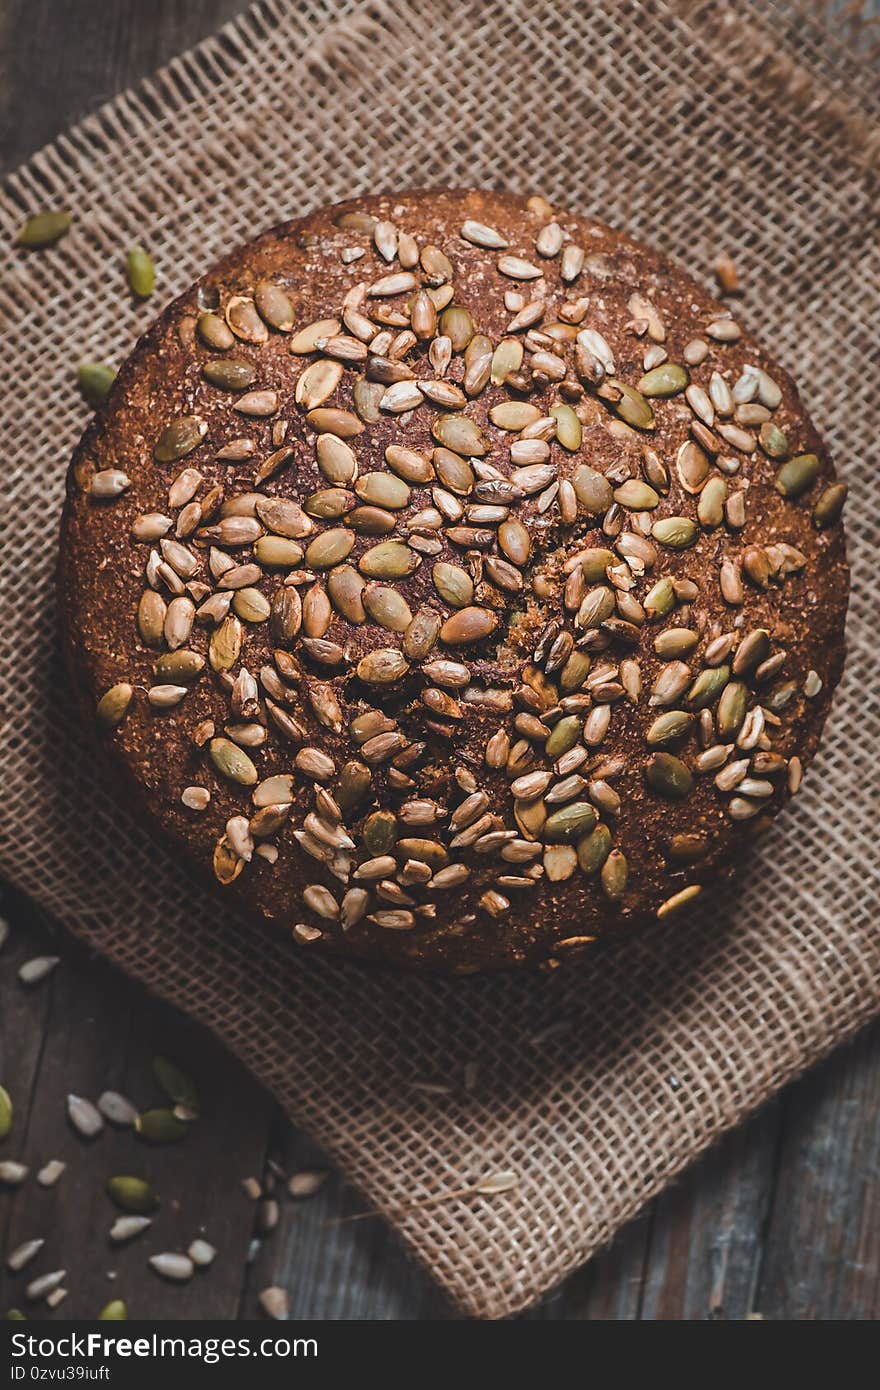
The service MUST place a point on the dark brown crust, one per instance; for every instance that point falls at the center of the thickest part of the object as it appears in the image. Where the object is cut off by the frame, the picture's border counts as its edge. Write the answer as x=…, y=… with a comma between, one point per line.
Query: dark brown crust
x=101, y=579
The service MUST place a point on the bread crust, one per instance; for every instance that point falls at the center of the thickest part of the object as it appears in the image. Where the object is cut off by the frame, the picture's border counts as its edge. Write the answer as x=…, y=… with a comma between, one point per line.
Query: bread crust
x=101, y=579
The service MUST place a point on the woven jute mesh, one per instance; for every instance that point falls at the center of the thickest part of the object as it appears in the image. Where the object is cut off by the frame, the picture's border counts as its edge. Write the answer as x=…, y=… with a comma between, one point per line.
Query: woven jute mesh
x=743, y=127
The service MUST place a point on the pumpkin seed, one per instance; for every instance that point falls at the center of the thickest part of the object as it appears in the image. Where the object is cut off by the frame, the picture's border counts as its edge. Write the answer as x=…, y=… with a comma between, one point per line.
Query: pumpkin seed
x=140, y=272
x=669, y=776
x=830, y=505
x=232, y=762
x=707, y=687
x=224, y=647
x=228, y=374
x=113, y=705
x=274, y=305
x=285, y=618
x=468, y=625
x=565, y=735
x=160, y=1127
x=408, y=464
x=179, y=438
x=421, y=635
x=6, y=1112
x=592, y=489
x=797, y=475
x=95, y=380
x=114, y=1311
x=387, y=607
x=329, y=548
x=245, y=322
x=132, y=1194
x=457, y=325
x=318, y=382
x=515, y=541
x=731, y=710
x=383, y=490
x=215, y=332
x=666, y=380
x=336, y=460
x=460, y=434
x=346, y=587
x=43, y=229
x=453, y=471
x=593, y=849
x=669, y=727
x=614, y=874
x=569, y=431
x=506, y=359
x=383, y=666
x=514, y=415
x=380, y=832
x=343, y=423
x=676, y=532
x=387, y=560
x=710, y=507
x=632, y=406
x=177, y=1084
x=636, y=496
x=454, y=585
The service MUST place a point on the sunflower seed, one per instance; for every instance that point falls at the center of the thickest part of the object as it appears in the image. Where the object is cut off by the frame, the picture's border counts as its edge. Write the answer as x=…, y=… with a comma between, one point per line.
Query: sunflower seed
x=84, y=1116
x=36, y=969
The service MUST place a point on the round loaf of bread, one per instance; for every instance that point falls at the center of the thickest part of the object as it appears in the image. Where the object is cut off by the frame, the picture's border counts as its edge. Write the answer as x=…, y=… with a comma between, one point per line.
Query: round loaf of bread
x=454, y=581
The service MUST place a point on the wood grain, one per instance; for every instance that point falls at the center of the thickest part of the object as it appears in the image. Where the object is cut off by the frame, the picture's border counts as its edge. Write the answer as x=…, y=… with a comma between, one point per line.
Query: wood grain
x=782, y=1219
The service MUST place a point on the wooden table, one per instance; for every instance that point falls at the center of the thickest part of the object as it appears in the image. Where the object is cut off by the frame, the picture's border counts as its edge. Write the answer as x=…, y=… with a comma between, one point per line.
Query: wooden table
x=781, y=1219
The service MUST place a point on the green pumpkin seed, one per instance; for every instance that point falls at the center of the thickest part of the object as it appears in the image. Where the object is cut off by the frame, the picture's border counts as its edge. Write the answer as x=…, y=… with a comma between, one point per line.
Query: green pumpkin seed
x=251, y=606
x=669, y=727
x=215, y=332
x=329, y=548
x=387, y=607
x=388, y=560
x=669, y=776
x=636, y=496
x=229, y=374
x=569, y=430
x=177, y=1084
x=574, y=672
x=5, y=1113
x=454, y=585
x=140, y=272
x=43, y=229
x=179, y=438
x=677, y=532
x=460, y=434
x=666, y=380
x=232, y=762
x=593, y=849
x=95, y=380
x=178, y=667
x=707, y=687
x=380, y=832
x=830, y=505
x=383, y=490
x=114, y=1311
x=660, y=599
x=277, y=552
x=731, y=710
x=383, y=666
x=632, y=406
x=274, y=306
x=113, y=705
x=131, y=1194
x=772, y=440
x=564, y=735
x=710, y=507
x=615, y=872
x=160, y=1127
x=570, y=822
x=592, y=489
x=594, y=563
x=798, y=475
x=506, y=359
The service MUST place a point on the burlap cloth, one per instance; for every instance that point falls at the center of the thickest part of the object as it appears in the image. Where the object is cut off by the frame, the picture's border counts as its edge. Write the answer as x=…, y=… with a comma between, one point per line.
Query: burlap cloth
x=700, y=127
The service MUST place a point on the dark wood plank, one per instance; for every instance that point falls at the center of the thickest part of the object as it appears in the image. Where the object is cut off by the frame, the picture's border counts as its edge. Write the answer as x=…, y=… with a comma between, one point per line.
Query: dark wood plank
x=94, y=1031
